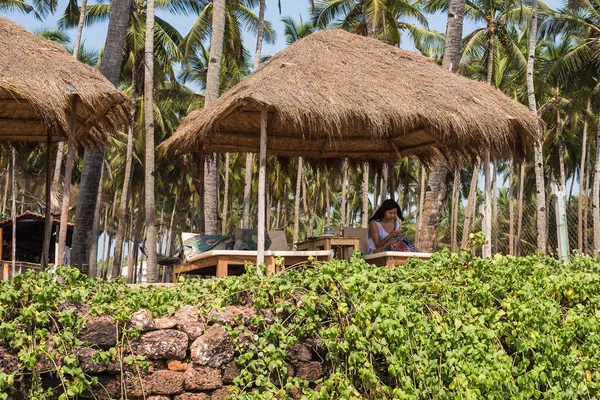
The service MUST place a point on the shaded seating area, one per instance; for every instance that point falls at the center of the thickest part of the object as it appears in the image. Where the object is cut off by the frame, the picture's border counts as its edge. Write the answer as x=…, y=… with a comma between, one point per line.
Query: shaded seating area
x=29, y=242
x=225, y=262
x=381, y=104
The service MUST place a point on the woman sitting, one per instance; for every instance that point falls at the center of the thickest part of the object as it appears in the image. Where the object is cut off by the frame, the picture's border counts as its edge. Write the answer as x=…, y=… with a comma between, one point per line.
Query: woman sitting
x=385, y=230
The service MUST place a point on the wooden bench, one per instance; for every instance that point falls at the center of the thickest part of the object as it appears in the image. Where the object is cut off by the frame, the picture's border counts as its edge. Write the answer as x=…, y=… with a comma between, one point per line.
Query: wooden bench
x=221, y=263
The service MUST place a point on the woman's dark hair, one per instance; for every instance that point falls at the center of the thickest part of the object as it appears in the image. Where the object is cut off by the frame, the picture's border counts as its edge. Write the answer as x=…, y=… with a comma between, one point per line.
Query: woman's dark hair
x=388, y=204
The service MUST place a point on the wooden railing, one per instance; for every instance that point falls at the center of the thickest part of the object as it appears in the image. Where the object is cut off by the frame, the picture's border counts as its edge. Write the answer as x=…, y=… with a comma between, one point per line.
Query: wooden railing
x=20, y=268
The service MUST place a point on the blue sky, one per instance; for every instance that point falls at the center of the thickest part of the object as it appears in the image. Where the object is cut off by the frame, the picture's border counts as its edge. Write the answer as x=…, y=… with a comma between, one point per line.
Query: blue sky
x=94, y=36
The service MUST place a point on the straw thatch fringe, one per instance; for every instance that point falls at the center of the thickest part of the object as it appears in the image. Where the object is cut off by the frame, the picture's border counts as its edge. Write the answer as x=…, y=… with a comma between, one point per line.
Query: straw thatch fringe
x=38, y=80
x=336, y=94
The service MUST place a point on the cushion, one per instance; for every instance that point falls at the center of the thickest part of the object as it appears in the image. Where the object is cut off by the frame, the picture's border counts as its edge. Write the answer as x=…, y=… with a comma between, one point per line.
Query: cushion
x=197, y=244
x=247, y=239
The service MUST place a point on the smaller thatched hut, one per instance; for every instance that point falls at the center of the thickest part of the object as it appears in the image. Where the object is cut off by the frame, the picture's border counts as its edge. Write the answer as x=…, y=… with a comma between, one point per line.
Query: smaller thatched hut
x=39, y=80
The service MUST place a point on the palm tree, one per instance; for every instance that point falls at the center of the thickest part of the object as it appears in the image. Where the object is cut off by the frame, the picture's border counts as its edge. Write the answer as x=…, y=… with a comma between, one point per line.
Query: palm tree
x=385, y=20
x=151, y=263
x=294, y=31
x=538, y=156
x=88, y=190
x=40, y=9
x=582, y=19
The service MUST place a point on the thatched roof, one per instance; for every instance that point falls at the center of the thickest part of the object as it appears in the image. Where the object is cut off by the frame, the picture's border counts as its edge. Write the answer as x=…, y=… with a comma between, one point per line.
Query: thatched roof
x=335, y=94
x=38, y=79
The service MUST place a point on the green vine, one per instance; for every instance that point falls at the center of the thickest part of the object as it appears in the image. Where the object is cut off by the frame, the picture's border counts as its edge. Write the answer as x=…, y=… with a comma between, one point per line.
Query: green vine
x=455, y=326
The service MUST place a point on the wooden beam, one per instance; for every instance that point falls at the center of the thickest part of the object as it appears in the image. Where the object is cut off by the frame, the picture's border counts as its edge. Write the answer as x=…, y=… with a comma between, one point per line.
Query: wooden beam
x=20, y=121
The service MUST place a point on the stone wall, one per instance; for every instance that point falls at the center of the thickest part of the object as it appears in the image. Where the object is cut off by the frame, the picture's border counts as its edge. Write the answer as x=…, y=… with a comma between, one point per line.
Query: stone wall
x=190, y=357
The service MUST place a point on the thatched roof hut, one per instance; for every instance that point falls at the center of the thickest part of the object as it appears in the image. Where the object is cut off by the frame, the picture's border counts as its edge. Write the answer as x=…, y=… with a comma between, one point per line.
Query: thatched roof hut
x=335, y=94
x=38, y=80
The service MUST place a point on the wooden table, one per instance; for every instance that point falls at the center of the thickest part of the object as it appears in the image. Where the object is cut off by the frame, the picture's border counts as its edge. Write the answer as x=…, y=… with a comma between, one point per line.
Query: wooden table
x=343, y=246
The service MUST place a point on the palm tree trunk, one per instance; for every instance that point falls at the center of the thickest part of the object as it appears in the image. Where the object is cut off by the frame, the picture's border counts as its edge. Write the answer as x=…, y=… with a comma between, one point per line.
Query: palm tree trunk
x=297, y=203
x=596, y=195
x=511, y=210
x=495, y=207
x=376, y=200
x=169, y=244
x=344, y=191
x=104, y=245
x=434, y=196
x=561, y=165
x=278, y=215
x=64, y=215
x=269, y=207
x=211, y=203
x=225, y=197
x=437, y=179
x=131, y=245
x=454, y=31
x=586, y=202
x=384, y=182
x=422, y=189
x=520, y=208
x=304, y=193
x=582, y=172
x=247, y=190
x=365, y=196
x=13, y=212
x=213, y=81
x=470, y=206
x=455, y=204
x=538, y=157
x=82, y=12
x=93, y=257
x=260, y=33
x=150, y=205
x=92, y=161
x=486, y=250
x=60, y=151
x=327, y=197
x=127, y=181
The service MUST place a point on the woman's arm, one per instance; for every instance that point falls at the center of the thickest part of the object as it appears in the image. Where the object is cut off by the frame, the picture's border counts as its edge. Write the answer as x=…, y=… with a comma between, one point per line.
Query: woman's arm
x=380, y=244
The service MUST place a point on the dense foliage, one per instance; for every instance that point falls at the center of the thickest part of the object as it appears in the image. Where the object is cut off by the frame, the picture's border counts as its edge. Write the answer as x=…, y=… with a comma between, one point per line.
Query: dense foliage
x=452, y=327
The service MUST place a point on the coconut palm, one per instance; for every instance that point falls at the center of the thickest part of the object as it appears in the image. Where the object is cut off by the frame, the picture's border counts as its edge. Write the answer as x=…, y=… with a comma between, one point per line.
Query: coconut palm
x=582, y=19
x=93, y=160
x=385, y=20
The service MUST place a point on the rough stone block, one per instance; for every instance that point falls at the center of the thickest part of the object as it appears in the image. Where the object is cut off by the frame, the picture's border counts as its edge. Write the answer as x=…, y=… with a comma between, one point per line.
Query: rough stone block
x=100, y=331
x=167, y=344
x=230, y=372
x=188, y=321
x=310, y=371
x=221, y=393
x=166, y=382
x=299, y=352
x=214, y=348
x=192, y=396
x=202, y=378
x=143, y=319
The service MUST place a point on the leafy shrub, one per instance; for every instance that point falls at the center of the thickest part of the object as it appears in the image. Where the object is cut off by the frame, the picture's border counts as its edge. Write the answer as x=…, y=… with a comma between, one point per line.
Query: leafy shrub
x=451, y=327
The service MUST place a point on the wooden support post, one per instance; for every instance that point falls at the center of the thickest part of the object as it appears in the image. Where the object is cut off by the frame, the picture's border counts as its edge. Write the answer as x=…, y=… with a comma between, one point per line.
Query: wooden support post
x=260, y=257
x=48, y=221
x=222, y=268
x=391, y=181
